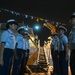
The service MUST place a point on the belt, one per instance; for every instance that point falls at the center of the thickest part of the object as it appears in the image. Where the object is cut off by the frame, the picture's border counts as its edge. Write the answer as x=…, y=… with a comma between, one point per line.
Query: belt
x=8, y=49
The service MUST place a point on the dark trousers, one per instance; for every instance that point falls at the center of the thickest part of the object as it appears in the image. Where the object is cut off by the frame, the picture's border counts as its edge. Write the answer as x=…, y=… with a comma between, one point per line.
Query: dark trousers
x=7, y=58
x=63, y=63
x=56, y=63
x=25, y=57
x=72, y=62
x=1, y=67
x=17, y=62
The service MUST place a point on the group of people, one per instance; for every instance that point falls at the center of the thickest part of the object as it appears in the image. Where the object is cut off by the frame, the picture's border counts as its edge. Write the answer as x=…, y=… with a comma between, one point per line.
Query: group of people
x=59, y=51
x=14, y=49
x=60, y=46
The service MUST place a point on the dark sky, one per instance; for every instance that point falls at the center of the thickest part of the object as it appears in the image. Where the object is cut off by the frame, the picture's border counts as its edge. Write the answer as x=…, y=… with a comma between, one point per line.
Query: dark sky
x=54, y=10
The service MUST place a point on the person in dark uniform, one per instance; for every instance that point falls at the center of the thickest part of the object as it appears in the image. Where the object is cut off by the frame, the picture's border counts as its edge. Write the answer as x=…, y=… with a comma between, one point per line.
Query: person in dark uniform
x=19, y=48
x=55, y=44
x=63, y=51
x=8, y=42
x=25, y=53
x=72, y=43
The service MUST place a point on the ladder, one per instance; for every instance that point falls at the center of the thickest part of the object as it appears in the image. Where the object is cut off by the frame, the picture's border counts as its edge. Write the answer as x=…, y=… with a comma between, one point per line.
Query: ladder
x=41, y=57
x=41, y=66
x=42, y=60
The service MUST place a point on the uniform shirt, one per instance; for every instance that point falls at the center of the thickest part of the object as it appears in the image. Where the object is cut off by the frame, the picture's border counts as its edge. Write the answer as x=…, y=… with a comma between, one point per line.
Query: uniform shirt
x=27, y=44
x=63, y=41
x=8, y=38
x=72, y=38
x=55, y=42
x=20, y=41
x=72, y=35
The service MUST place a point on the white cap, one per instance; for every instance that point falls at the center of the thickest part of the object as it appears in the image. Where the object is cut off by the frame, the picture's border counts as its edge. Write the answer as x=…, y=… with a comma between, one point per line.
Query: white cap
x=10, y=20
x=22, y=27
x=62, y=27
x=73, y=15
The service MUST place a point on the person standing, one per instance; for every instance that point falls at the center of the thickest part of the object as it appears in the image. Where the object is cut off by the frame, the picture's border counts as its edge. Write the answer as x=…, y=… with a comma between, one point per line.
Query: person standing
x=1, y=61
x=27, y=44
x=25, y=53
x=19, y=48
x=8, y=42
x=55, y=44
x=72, y=43
x=63, y=51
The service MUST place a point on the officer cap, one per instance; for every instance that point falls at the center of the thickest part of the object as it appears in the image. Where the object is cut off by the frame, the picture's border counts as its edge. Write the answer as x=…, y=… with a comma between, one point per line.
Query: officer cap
x=72, y=16
x=63, y=28
x=21, y=28
x=12, y=21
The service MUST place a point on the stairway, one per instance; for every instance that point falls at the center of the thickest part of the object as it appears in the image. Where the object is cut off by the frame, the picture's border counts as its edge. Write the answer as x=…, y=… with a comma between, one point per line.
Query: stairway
x=41, y=66
x=42, y=58
x=42, y=62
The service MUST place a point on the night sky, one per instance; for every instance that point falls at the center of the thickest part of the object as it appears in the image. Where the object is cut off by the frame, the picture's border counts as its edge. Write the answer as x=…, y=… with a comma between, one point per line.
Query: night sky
x=53, y=10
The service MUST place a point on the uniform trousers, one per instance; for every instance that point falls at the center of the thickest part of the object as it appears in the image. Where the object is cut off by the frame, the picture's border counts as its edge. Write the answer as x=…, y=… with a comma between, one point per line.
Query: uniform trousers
x=72, y=62
x=7, y=61
x=1, y=67
x=56, y=63
x=17, y=62
x=63, y=63
x=25, y=57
